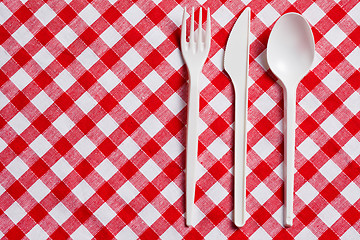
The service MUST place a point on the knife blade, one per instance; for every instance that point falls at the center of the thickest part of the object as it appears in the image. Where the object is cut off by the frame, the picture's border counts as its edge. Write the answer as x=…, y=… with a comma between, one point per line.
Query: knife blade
x=236, y=64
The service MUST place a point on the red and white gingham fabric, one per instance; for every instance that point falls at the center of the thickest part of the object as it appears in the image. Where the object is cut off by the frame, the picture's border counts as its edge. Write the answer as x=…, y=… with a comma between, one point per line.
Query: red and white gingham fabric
x=93, y=111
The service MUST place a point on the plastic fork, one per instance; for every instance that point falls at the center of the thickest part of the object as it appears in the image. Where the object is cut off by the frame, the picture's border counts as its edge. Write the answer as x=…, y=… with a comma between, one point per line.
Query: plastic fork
x=194, y=53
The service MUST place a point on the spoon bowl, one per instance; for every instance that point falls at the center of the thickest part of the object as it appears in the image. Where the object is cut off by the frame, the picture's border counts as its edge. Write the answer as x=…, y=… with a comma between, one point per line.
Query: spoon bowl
x=290, y=54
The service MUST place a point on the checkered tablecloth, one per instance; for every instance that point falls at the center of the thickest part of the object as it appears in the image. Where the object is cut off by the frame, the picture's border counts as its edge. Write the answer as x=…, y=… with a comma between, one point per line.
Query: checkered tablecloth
x=92, y=123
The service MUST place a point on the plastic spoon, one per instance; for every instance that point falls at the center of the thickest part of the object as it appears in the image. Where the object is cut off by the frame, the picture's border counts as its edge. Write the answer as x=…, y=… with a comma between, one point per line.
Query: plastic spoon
x=290, y=54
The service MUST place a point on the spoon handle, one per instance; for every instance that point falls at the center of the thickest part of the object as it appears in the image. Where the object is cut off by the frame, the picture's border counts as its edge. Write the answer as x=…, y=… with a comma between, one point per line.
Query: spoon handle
x=289, y=141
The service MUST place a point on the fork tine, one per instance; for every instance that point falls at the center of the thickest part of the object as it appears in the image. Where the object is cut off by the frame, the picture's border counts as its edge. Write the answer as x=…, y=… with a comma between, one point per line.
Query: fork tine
x=192, y=40
x=200, y=29
x=208, y=30
x=183, y=30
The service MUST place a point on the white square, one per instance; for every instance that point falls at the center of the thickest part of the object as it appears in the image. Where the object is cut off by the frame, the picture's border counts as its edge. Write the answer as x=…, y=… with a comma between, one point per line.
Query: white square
x=39, y=190
x=134, y=15
x=218, y=59
x=82, y=233
x=171, y=233
x=129, y=148
x=262, y=193
x=306, y=234
x=107, y=125
x=260, y=234
x=130, y=103
x=333, y=80
x=352, y=148
x=109, y=80
x=132, y=58
x=19, y=123
x=65, y=80
x=331, y=125
x=106, y=169
x=218, y=148
x=223, y=15
x=314, y=14
x=66, y=36
x=3, y=100
x=110, y=36
x=63, y=124
x=60, y=213
x=83, y=191
x=3, y=145
x=152, y=125
x=89, y=14
x=172, y=192
x=307, y=193
x=215, y=233
x=5, y=13
x=264, y=104
x=175, y=59
x=175, y=15
x=268, y=15
x=22, y=35
x=351, y=193
x=84, y=146
x=4, y=56
x=42, y=101
x=335, y=35
x=87, y=58
x=354, y=13
x=43, y=58
x=309, y=103
x=21, y=79
x=308, y=148
x=153, y=81
x=45, y=14
x=175, y=103
x=352, y=103
x=350, y=234
x=217, y=193
x=17, y=167
x=40, y=145
x=61, y=168
x=15, y=212
x=86, y=102
x=37, y=233
x=329, y=215
x=262, y=60
x=155, y=37
x=330, y=170
x=126, y=233
x=149, y=214
x=173, y=148
x=354, y=58
x=263, y=148
x=127, y=192
x=105, y=214
x=150, y=170
x=220, y=103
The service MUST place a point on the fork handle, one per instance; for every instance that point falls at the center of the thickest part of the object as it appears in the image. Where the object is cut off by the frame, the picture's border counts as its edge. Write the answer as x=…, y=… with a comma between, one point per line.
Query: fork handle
x=191, y=145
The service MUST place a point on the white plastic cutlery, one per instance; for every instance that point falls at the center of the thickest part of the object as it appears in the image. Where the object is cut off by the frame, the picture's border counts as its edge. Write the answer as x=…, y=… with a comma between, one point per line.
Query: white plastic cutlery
x=236, y=64
x=290, y=53
x=194, y=53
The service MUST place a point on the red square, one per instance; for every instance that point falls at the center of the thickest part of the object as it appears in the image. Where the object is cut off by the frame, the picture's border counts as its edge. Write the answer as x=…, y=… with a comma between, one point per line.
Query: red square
x=352, y=170
x=59, y=234
x=262, y=171
x=148, y=234
x=156, y=15
x=154, y=59
x=61, y=191
x=283, y=235
x=41, y=123
x=218, y=170
x=67, y=14
x=171, y=214
x=104, y=234
x=82, y=214
x=18, y=145
x=216, y=215
x=353, y=125
x=89, y=36
x=352, y=215
x=84, y=169
x=172, y=170
x=39, y=168
x=108, y=103
x=151, y=148
x=221, y=37
x=310, y=81
x=133, y=36
x=38, y=213
x=334, y=58
x=22, y=57
x=3, y=77
x=174, y=126
x=331, y=148
x=62, y=146
x=220, y=81
x=176, y=81
x=265, y=82
x=306, y=216
x=127, y=214
x=110, y=58
x=150, y=192
x=264, y=126
x=23, y=14
x=336, y=13
x=111, y=15
x=14, y=233
x=85, y=124
x=44, y=36
x=128, y=169
x=129, y=125
x=153, y=103
x=87, y=80
x=43, y=80
x=219, y=126
x=64, y=102
x=105, y=191
x=107, y=147
x=329, y=235
x=65, y=58
x=332, y=103
x=261, y=215
x=131, y=81
x=4, y=34
x=20, y=101
x=308, y=170
x=354, y=36
x=353, y=80
x=16, y=190
x=309, y=125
